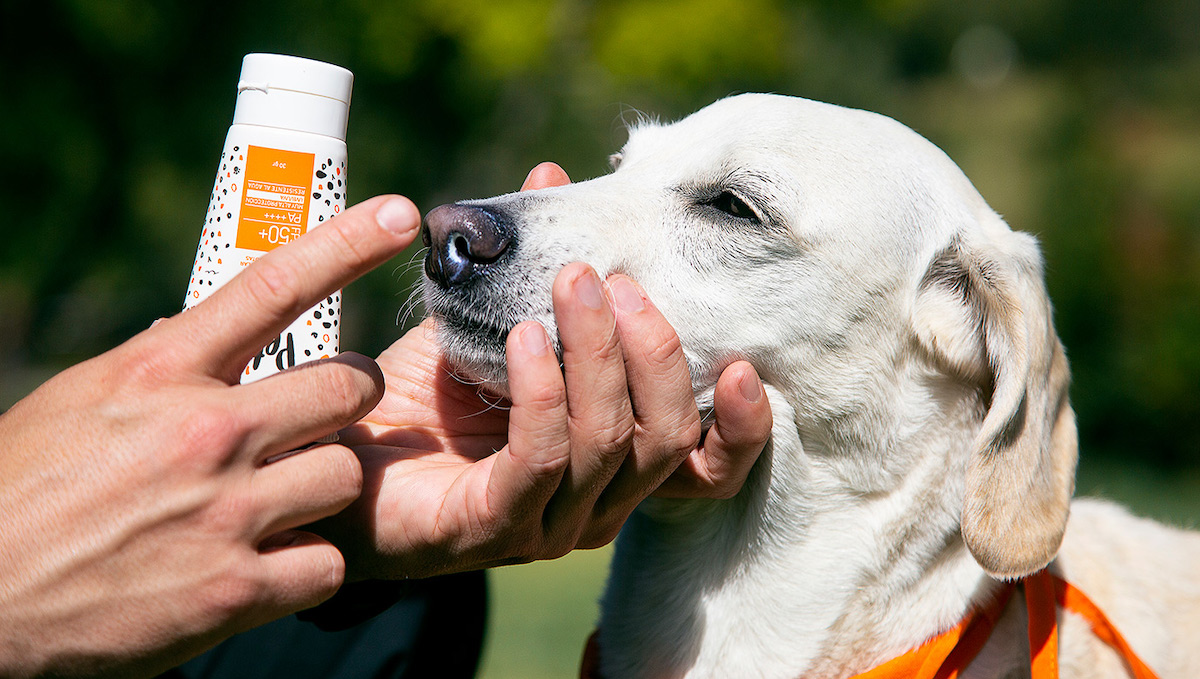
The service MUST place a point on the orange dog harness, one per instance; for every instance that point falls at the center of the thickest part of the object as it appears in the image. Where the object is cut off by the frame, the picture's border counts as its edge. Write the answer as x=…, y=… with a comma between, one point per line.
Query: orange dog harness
x=947, y=655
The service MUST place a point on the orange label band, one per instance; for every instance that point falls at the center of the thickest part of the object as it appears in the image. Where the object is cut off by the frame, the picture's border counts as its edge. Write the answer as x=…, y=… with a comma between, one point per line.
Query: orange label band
x=275, y=196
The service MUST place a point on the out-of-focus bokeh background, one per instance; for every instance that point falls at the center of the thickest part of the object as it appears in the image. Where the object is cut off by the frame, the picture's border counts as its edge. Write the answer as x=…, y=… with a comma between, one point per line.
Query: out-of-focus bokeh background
x=1078, y=120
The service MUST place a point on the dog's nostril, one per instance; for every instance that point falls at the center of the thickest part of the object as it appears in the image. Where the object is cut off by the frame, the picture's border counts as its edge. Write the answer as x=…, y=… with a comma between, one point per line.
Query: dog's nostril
x=463, y=239
x=461, y=246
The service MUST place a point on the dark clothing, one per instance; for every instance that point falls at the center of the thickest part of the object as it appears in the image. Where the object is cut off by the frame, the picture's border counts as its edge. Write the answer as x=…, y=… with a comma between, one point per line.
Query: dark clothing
x=370, y=630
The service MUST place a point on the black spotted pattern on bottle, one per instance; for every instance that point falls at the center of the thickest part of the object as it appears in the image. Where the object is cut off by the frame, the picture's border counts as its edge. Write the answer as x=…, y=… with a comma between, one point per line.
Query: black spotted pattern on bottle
x=214, y=254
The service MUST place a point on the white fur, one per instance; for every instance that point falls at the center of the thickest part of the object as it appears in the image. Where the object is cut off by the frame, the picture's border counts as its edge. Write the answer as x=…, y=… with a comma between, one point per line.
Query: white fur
x=922, y=444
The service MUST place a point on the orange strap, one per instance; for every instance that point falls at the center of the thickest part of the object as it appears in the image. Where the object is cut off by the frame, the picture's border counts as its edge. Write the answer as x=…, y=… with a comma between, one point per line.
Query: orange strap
x=947, y=655
x=1071, y=599
x=1044, y=593
x=1043, y=626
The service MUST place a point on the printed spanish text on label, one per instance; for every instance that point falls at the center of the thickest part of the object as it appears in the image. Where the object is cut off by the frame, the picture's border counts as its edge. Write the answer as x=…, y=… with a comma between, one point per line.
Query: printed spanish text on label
x=275, y=198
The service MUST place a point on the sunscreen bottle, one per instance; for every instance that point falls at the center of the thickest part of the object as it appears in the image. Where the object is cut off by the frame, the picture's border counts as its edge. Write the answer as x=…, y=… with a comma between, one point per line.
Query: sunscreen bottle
x=282, y=173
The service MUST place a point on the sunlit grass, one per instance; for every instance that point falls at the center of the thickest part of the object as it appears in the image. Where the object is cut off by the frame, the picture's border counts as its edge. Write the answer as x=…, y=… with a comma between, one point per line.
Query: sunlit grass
x=541, y=615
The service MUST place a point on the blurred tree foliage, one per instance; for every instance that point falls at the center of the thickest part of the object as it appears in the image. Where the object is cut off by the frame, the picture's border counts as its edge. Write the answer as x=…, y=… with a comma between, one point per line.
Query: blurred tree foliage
x=1078, y=120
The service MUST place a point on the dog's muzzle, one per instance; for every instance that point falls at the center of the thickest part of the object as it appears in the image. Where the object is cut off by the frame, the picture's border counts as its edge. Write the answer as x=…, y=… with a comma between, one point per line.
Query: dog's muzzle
x=463, y=241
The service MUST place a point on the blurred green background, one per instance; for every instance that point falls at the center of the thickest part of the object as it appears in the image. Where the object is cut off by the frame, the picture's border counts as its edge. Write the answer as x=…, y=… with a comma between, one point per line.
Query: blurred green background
x=1079, y=120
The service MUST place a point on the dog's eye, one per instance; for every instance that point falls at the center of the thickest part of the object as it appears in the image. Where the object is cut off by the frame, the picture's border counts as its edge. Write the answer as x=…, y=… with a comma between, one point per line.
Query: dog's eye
x=732, y=205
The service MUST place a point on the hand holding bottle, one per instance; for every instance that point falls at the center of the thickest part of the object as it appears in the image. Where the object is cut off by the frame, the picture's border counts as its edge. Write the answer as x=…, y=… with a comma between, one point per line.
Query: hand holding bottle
x=150, y=505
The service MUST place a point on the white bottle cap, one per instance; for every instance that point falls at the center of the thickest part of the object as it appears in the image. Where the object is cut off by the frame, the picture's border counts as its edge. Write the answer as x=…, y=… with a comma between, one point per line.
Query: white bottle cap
x=292, y=93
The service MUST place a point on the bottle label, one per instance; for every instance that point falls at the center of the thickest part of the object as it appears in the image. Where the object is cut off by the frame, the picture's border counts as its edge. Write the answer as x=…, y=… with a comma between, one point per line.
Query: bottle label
x=265, y=197
x=275, y=201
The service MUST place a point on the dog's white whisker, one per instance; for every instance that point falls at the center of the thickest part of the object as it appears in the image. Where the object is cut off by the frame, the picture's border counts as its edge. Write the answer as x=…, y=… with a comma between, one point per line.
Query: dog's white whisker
x=497, y=405
x=613, y=332
x=413, y=298
x=457, y=376
x=412, y=303
x=416, y=260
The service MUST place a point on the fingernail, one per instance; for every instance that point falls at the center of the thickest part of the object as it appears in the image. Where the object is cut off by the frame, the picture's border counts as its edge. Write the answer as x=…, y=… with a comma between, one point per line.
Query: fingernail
x=528, y=183
x=751, y=387
x=398, y=216
x=157, y=321
x=625, y=295
x=587, y=290
x=534, y=339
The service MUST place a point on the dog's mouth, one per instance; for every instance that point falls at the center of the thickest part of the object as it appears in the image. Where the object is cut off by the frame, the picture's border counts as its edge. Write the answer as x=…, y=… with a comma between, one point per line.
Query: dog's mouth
x=482, y=331
x=473, y=338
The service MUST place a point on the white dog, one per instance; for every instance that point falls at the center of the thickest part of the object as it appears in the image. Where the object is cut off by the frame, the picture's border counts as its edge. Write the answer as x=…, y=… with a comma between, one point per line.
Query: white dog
x=923, y=448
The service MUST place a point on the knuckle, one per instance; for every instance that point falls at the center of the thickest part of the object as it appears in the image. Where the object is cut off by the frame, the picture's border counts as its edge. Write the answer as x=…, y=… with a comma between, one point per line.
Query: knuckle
x=724, y=481
x=345, y=476
x=598, y=350
x=273, y=284
x=615, y=439
x=604, y=528
x=558, y=550
x=758, y=441
x=548, y=466
x=558, y=545
x=544, y=398
x=609, y=350
x=235, y=591
x=601, y=537
x=143, y=363
x=666, y=351
x=206, y=436
x=230, y=514
x=684, y=438
x=750, y=433
x=346, y=244
x=343, y=390
x=332, y=577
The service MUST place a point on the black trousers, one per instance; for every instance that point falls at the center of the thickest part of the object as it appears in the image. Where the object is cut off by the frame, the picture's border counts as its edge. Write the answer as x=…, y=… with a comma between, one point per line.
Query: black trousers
x=434, y=628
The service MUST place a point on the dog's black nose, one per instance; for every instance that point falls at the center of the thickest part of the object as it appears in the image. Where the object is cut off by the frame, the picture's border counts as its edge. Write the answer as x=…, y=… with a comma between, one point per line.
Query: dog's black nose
x=462, y=240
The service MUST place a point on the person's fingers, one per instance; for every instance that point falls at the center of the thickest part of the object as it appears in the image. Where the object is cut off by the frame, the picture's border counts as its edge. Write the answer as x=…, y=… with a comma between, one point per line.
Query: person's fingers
x=545, y=175
x=303, y=487
x=299, y=570
x=528, y=471
x=298, y=406
x=664, y=405
x=601, y=417
x=222, y=333
x=731, y=446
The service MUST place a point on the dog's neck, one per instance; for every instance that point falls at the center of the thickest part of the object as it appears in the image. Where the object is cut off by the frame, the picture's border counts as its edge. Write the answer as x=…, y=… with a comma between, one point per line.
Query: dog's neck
x=807, y=571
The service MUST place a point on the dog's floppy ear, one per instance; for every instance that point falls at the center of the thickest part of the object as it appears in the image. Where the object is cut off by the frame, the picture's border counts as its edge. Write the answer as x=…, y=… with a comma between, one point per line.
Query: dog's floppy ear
x=983, y=313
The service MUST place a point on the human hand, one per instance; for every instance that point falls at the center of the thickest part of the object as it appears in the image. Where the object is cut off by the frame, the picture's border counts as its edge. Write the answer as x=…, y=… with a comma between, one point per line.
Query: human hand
x=453, y=482
x=148, y=499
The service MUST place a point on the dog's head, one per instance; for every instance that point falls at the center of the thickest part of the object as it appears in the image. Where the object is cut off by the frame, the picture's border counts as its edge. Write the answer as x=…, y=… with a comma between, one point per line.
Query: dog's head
x=836, y=250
